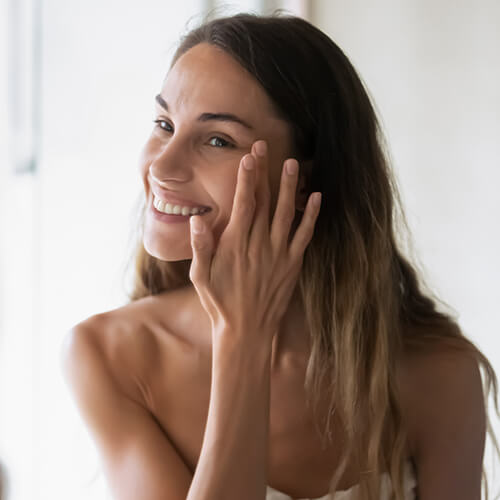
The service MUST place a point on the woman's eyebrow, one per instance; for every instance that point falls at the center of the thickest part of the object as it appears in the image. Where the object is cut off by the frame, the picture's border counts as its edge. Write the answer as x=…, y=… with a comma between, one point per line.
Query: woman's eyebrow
x=204, y=117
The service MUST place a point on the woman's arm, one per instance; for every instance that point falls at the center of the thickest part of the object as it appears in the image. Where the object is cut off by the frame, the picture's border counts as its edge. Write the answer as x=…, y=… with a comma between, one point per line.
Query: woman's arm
x=449, y=424
x=245, y=283
x=139, y=460
x=234, y=456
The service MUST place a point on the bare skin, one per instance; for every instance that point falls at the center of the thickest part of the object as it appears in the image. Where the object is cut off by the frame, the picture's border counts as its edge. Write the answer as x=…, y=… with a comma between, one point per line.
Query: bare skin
x=141, y=374
x=170, y=354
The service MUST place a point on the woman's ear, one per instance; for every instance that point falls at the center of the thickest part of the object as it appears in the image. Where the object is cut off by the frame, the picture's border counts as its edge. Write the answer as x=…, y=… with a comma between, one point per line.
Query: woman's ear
x=301, y=193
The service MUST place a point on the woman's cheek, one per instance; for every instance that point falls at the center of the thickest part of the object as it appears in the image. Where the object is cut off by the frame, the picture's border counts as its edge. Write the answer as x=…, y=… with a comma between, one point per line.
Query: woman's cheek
x=223, y=196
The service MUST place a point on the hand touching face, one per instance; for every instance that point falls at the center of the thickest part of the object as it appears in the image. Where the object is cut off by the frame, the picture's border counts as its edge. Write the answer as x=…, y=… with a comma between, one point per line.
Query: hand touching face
x=245, y=283
x=209, y=114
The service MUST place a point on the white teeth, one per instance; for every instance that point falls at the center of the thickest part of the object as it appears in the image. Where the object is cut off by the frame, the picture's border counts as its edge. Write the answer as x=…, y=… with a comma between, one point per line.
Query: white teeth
x=172, y=209
x=168, y=208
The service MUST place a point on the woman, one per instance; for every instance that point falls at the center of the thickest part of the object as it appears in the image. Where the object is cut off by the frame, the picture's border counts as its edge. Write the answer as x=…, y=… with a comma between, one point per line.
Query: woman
x=277, y=345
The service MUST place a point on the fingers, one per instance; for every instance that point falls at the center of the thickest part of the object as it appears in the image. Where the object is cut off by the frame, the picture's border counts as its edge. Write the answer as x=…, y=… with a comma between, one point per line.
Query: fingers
x=202, y=246
x=244, y=203
x=249, y=221
x=260, y=229
x=285, y=207
x=305, y=231
x=285, y=214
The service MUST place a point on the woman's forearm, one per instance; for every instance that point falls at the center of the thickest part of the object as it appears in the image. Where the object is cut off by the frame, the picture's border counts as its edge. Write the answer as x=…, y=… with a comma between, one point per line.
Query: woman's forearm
x=234, y=453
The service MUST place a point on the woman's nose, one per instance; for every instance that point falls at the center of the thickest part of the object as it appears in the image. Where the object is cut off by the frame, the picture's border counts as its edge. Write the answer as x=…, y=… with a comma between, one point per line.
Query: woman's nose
x=171, y=162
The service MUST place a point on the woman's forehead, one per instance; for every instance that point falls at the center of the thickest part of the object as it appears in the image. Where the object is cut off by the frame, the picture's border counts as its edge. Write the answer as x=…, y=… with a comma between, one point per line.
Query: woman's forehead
x=206, y=75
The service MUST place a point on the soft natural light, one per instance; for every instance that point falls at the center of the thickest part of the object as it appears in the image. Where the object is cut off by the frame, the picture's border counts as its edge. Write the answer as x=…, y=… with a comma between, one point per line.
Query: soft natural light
x=66, y=226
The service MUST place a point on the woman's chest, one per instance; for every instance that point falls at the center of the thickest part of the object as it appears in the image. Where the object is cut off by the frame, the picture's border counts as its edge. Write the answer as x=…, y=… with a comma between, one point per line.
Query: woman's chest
x=179, y=395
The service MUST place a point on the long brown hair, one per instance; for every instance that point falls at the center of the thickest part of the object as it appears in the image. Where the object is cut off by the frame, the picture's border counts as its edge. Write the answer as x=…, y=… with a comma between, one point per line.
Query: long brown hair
x=365, y=302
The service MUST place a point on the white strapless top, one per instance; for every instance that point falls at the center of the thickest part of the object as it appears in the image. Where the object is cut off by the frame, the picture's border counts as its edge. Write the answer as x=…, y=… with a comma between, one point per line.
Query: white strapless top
x=409, y=486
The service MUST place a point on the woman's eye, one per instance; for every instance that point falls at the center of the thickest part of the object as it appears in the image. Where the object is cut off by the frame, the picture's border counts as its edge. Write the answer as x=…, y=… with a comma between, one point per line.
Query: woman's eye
x=214, y=141
x=163, y=124
x=218, y=142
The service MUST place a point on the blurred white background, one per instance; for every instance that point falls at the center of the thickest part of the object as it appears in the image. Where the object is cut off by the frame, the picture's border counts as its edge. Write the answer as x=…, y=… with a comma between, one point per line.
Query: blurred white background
x=77, y=83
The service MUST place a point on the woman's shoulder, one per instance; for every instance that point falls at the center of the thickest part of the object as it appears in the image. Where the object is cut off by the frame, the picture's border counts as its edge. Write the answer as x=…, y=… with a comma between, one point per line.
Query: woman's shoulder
x=435, y=360
x=136, y=323
x=123, y=328
x=130, y=340
x=433, y=378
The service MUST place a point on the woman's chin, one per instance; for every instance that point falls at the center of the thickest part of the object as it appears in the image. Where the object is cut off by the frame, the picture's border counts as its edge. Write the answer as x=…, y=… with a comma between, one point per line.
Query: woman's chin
x=165, y=252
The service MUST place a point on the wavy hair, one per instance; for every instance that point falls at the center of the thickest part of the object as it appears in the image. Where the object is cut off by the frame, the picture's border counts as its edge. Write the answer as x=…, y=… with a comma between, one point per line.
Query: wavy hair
x=365, y=303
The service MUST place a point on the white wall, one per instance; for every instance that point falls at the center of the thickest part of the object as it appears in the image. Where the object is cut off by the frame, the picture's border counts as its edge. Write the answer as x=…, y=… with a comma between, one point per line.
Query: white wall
x=433, y=69
x=18, y=247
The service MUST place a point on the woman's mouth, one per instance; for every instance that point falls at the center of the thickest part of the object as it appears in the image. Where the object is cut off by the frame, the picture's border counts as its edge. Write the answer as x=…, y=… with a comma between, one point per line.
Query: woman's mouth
x=168, y=212
x=174, y=209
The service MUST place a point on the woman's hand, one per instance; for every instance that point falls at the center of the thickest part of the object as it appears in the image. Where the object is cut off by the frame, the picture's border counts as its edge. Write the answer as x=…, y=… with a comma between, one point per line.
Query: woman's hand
x=247, y=284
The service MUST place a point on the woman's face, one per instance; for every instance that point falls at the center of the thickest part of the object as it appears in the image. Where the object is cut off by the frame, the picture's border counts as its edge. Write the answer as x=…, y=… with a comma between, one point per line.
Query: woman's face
x=210, y=112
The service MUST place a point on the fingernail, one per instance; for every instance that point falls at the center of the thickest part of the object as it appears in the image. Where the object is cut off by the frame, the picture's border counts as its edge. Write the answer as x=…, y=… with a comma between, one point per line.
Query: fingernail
x=316, y=199
x=248, y=162
x=291, y=167
x=261, y=148
x=197, y=225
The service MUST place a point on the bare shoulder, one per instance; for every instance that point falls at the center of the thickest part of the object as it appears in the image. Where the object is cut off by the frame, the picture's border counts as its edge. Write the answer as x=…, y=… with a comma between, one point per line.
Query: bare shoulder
x=105, y=361
x=426, y=369
x=442, y=395
x=129, y=340
x=434, y=381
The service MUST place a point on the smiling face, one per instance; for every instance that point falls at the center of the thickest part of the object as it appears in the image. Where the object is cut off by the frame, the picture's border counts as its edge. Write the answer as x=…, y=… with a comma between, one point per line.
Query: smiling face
x=209, y=113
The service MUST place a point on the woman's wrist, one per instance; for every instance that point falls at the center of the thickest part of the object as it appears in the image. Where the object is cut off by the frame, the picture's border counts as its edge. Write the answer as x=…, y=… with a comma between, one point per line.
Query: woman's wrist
x=241, y=345
x=233, y=459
